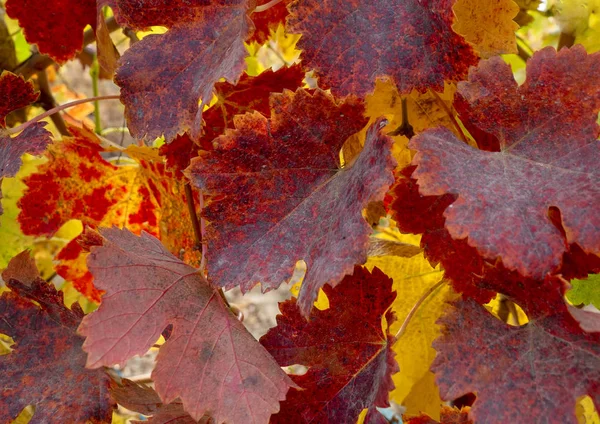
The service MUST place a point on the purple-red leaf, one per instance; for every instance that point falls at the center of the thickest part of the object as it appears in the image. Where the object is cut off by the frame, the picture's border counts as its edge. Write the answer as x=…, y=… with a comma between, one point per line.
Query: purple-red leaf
x=531, y=374
x=549, y=155
x=47, y=366
x=350, y=360
x=210, y=361
x=280, y=195
x=351, y=43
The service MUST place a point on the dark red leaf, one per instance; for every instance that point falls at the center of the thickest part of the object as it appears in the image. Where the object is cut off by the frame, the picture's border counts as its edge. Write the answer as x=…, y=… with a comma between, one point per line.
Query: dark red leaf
x=548, y=158
x=210, y=360
x=267, y=21
x=533, y=373
x=448, y=416
x=351, y=43
x=280, y=196
x=56, y=26
x=162, y=77
x=15, y=93
x=350, y=361
x=47, y=366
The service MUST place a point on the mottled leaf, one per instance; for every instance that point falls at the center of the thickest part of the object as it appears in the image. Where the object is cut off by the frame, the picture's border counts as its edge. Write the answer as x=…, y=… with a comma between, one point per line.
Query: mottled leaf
x=47, y=366
x=548, y=157
x=57, y=26
x=448, y=416
x=210, y=360
x=487, y=25
x=351, y=43
x=266, y=22
x=280, y=196
x=350, y=359
x=163, y=77
x=15, y=93
x=532, y=373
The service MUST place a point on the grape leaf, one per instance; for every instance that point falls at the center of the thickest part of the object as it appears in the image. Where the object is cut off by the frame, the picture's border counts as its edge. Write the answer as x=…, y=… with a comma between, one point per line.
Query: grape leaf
x=489, y=26
x=210, y=360
x=350, y=361
x=350, y=44
x=56, y=27
x=282, y=197
x=585, y=291
x=266, y=22
x=34, y=315
x=78, y=183
x=548, y=158
x=15, y=93
x=162, y=77
x=143, y=399
x=532, y=373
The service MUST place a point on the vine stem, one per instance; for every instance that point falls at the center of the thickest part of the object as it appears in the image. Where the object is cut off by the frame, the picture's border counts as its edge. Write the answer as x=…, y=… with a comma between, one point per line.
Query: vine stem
x=416, y=306
x=57, y=109
x=450, y=115
x=266, y=6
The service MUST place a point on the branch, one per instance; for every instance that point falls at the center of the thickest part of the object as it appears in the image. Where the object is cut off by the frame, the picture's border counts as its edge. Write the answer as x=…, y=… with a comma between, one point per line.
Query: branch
x=48, y=103
x=38, y=62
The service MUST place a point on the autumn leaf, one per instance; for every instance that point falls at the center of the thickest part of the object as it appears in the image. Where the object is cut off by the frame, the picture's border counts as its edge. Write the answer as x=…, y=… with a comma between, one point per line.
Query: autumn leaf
x=56, y=28
x=266, y=22
x=210, y=360
x=161, y=89
x=136, y=192
x=350, y=44
x=548, y=155
x=488, y=26
x=448, y=416
x=280, y=196
x=350, y=359
x=143, y=399
x=412, y=278
x=532, y=373
x=47, y=366
x=15, y=93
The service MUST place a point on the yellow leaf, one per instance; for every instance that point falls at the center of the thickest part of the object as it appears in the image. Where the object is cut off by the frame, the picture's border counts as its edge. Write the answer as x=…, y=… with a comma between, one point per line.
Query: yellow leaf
x=487, y=25
x=586, y=411
x=412, y=277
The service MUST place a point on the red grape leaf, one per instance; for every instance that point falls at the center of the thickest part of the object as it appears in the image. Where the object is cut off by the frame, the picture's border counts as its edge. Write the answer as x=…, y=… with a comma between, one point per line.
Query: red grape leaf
x=282, y=197
x=533, y=373
x=210, y=361
x=163, y=76
x=351, y=43
x=78, y=183
x=143, y=399
x=267, y=21
x=350, y=361
x=548, y=157
x=15, y=93
x=47, y=366
x=57, y=26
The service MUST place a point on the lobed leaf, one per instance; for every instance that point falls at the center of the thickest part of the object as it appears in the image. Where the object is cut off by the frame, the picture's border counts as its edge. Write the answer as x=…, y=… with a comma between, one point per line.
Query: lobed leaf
x=210, y=360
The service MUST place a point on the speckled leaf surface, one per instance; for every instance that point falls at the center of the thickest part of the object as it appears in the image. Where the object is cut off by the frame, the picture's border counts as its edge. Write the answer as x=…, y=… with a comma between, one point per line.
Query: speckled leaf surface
x=210, y=360
x=15, y=93
x=163, y=77
x=47, y=366
x=548, y=157
x=533, y=373
x=350, y=359
x=351, y=43
x=283, y=198
x=56, y=26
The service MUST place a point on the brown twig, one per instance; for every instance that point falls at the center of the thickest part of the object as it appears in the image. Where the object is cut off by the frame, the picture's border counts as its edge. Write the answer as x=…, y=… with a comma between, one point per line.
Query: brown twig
x=47, y=101
x=57, y=109
x=405, y=128
x=38, y=62
x=416, y=306
x=266, y=6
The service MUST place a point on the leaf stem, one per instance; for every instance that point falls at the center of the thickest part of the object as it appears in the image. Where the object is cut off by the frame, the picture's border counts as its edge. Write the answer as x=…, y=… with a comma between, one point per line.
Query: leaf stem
x=266, y=6
x=95, y=75
x=57, y=109
x=450, y=115
x=189, y=197
x=416, y=306
x=405, y=128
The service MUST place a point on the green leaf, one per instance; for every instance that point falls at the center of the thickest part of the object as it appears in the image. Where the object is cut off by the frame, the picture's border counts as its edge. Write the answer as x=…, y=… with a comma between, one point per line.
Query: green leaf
x=586, y=291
